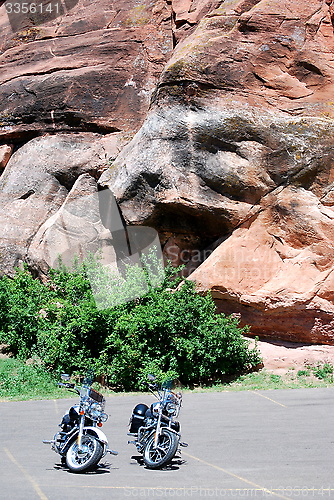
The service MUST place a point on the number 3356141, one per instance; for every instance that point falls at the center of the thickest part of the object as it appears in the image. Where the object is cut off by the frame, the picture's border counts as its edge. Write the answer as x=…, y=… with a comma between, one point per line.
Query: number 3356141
x=31, y=8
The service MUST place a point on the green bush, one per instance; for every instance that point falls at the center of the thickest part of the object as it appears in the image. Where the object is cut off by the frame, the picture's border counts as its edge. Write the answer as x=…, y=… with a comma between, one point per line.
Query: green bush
x=168, y=330
x=323, y=371
x=21, y=299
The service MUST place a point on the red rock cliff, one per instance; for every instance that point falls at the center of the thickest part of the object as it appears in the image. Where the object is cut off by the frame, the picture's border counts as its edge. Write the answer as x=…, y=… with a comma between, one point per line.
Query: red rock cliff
x=232, y=158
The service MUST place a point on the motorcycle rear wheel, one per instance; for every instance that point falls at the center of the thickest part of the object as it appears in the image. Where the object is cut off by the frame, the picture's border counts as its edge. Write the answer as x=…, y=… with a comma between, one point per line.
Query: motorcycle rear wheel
x=154, y=458
x=86, y=458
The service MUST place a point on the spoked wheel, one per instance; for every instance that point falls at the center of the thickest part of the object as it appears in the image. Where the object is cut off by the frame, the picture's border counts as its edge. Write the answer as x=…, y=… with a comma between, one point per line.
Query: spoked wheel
x=85, y=458
x=163, y=453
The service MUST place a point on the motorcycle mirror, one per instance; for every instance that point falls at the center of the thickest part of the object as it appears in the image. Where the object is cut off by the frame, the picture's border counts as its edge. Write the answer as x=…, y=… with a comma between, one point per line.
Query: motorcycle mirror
x=65, y=376
x=151, y=377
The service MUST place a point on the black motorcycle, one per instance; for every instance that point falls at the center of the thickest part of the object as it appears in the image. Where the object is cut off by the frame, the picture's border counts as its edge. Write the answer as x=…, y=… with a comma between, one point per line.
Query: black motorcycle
x=81, y=442
x=156, y=433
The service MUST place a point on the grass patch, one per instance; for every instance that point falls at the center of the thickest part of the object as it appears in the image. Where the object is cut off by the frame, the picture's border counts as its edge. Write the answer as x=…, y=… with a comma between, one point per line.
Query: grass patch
x=310, y=377
x=20, y=381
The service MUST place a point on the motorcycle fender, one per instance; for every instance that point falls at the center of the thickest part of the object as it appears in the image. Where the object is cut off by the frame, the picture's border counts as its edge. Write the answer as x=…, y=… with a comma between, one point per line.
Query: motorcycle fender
x=162, y=429
x=92, y=430
x=177, y=434
x=97, y=433
x=171, y=430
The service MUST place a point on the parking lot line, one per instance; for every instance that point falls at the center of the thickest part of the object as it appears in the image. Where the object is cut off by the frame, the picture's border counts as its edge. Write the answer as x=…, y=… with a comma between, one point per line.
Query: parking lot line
x=56, y=406
x=266, y=397
x=30, y=479
x=255, y=485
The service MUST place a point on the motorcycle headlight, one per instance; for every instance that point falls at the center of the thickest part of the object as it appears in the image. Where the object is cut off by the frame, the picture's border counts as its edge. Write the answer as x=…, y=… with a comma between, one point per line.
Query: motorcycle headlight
x=171, y=409
x=95, y=410
x=84, y=407
x=104, y=417
x=96, y=407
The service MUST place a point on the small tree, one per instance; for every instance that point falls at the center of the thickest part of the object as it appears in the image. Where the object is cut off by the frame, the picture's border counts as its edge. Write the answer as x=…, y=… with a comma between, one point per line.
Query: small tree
x=169, y=329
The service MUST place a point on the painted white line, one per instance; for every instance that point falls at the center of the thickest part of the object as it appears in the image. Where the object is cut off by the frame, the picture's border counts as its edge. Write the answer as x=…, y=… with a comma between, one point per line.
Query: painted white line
x=30, y=479
x=256, y=486
x=266, y=397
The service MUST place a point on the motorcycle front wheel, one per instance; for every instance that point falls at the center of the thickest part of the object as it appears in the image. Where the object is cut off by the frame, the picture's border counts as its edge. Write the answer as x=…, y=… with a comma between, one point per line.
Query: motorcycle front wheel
x=163, y=453
x=85, y=458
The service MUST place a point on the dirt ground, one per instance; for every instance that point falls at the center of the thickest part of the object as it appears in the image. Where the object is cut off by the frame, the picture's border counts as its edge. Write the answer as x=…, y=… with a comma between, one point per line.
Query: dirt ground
x=279, y=356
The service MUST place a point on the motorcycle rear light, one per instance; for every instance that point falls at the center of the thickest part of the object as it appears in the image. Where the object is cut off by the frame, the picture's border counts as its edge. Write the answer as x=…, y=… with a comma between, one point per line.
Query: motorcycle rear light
x=81, y=412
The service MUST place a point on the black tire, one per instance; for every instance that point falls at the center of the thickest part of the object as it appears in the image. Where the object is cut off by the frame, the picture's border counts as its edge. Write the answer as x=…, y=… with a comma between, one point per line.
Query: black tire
x=89, y=456
x=155, y=458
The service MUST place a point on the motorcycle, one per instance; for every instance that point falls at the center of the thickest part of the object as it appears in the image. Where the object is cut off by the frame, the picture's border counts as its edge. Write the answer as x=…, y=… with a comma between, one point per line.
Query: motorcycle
x=80, y=442
x=156, y=433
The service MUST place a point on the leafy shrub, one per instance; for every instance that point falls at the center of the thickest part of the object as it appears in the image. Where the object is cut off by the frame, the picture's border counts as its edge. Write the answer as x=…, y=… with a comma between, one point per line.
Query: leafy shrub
x=20, y=301
x=168, y=330
x=323, y=371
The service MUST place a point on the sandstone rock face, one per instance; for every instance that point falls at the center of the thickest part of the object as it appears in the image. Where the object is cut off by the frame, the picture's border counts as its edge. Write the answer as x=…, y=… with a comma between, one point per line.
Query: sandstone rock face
x=228, y=105
x=6, y=151
x=93, y=69
x=275, y=276
x=36, y=182
x=73, y=232
x=234, y=162
x=276, y=54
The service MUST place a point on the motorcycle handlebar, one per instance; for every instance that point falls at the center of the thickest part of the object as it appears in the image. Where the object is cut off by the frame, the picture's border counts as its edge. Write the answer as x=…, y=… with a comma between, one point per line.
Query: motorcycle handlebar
x=151, y=386
x=68, y=385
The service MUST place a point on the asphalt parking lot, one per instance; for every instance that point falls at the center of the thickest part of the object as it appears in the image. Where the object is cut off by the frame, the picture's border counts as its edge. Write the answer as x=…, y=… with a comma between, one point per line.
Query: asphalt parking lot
x=261, y=444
